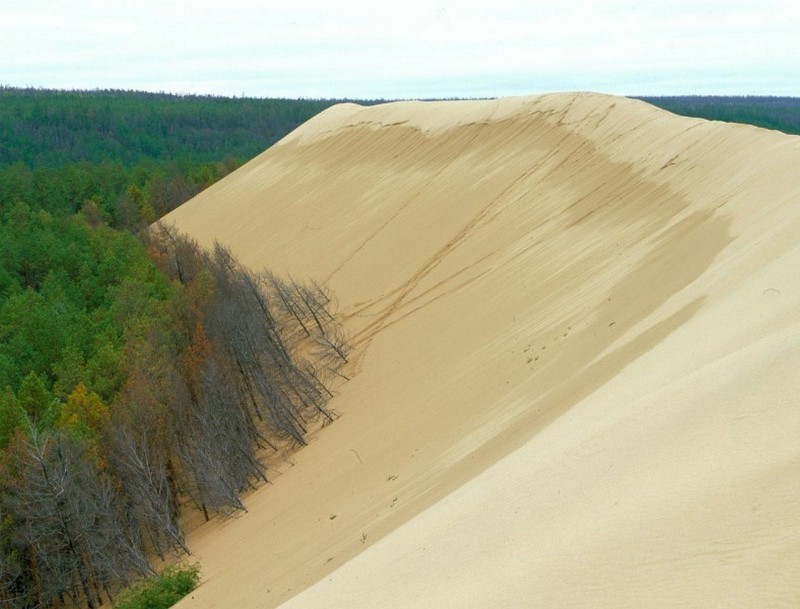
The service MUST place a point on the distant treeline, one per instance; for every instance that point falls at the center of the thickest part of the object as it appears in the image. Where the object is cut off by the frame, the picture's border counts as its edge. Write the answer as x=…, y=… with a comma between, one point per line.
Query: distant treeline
x=49, y=128
x=132, y=156
x=779, y=113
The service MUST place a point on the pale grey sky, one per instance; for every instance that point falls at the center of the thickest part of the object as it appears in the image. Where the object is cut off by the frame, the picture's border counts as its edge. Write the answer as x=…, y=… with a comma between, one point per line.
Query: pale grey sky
x=404, y=48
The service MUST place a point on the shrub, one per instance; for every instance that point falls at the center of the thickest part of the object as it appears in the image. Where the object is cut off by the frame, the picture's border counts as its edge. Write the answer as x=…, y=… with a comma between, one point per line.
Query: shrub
x=162, y=590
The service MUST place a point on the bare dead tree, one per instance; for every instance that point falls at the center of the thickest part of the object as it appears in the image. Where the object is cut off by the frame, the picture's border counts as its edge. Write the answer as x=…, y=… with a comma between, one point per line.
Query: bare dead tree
x=266, y=342
x=66, y=520
x=141, y=465
x=17, y=583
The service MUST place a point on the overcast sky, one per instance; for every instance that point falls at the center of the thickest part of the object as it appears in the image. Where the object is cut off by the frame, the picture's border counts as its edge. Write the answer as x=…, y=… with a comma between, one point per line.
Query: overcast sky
x=403, y=48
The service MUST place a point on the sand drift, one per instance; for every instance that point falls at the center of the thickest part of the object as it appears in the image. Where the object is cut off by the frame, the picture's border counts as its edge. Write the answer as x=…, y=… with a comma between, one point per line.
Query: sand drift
x=576, y=366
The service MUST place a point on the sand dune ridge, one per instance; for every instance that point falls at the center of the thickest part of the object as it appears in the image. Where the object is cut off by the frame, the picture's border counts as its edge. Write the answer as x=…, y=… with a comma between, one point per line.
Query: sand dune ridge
x=576, y=331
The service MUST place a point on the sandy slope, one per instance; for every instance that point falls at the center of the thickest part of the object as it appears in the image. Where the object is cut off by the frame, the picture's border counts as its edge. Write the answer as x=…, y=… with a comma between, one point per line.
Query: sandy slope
x=577, y=322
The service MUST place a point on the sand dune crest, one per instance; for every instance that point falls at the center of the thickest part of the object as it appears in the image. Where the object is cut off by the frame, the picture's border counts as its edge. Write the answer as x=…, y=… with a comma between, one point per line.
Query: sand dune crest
x=576, y=321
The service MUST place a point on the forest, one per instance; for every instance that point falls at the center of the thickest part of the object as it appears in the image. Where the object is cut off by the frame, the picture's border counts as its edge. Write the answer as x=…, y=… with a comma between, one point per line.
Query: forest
x=779, y=113
x=133, y=156
x=149, y=376
x=141, y=376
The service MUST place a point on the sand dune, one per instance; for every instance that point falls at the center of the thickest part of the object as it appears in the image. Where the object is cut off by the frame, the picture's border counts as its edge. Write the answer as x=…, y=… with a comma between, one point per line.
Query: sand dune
x=577, y=331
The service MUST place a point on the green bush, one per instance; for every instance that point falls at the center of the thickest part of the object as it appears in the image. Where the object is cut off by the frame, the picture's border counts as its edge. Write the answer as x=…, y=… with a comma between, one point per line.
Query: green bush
x=162, y=590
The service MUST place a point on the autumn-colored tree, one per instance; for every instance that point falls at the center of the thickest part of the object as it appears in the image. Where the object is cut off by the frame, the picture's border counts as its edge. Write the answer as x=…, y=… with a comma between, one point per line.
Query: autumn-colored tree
x=195, y=355
x=83, y=414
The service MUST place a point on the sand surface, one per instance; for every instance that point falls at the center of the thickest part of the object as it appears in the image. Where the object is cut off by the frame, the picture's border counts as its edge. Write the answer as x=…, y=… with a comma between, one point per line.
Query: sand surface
x=577, y=366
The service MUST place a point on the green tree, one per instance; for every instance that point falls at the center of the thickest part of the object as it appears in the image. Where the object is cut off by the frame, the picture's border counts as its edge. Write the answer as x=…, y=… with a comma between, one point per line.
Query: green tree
x=34, y=398
x=12, y=417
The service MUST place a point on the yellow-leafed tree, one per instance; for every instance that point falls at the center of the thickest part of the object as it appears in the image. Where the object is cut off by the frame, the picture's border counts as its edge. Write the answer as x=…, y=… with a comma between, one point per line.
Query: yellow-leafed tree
x=84, y=414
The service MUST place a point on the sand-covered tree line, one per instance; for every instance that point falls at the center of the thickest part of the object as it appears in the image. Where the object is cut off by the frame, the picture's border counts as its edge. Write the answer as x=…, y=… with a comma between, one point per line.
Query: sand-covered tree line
x=135, y=379
x=215, y=368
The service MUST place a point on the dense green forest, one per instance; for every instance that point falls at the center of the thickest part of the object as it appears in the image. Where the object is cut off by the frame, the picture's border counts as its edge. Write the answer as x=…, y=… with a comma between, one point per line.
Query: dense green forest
x=138, y=373
x=47, y=128
x=132, y=156
x=779, y=113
